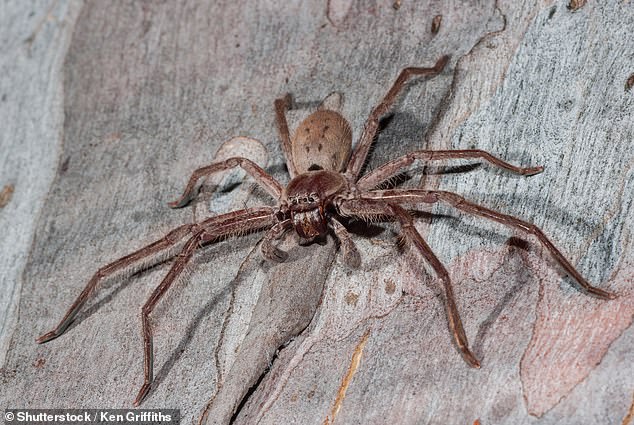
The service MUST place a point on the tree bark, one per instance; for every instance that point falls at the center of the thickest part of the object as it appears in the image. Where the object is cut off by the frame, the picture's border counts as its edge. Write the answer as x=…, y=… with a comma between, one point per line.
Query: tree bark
x=109, y=106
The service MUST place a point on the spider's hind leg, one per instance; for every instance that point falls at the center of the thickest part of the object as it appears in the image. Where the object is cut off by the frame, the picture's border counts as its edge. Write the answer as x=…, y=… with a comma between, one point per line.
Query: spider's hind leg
x=462, y=204
x=136, y=258
x=210, y=230
x=417, y=196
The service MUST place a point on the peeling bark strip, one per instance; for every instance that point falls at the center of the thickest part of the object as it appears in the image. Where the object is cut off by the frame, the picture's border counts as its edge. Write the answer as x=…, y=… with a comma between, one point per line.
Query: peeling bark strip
x=283, y=310
x=629, y=417
x=347, y=379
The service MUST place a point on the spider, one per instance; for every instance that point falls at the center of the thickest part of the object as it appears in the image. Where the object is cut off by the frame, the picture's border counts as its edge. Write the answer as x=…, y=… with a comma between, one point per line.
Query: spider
x=326, y=184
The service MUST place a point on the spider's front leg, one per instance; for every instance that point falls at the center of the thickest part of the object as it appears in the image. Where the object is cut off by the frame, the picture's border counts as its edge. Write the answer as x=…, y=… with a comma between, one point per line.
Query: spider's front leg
x=417, y=196
x=209, y=230
x=391, y=168
x=264, y=179
x=357, y=159
x=368, y=207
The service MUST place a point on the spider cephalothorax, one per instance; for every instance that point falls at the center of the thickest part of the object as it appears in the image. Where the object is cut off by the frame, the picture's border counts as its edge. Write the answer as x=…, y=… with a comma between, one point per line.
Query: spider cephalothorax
x=326, y=184
x=309, y=196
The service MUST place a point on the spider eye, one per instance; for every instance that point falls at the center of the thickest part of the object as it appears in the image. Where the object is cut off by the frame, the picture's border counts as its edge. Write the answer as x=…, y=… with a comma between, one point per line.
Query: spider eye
x=315, y=167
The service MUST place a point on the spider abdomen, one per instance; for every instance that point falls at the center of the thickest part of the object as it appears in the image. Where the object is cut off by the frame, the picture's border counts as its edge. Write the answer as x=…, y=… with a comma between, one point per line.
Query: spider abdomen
x=322, y=141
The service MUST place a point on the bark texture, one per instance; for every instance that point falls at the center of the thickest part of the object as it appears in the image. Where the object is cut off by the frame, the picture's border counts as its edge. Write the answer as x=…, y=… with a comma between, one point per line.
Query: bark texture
x=107, y=108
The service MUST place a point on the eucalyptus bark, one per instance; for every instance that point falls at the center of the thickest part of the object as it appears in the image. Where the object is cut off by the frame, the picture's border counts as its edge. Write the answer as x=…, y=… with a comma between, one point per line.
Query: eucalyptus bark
x=107, y=108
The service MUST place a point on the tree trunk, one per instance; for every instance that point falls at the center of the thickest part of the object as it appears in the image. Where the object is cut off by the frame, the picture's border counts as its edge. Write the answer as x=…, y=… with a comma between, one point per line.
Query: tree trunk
x=107, y=108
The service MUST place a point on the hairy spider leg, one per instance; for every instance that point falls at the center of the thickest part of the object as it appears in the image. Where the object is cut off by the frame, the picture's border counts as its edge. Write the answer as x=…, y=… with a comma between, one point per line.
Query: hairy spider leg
x=281, y=106
x=209, y=230
x=122, y=263
x=363, y=207
x=389, y=169
x=271, y=185
x=414, y=196
x=362, y=148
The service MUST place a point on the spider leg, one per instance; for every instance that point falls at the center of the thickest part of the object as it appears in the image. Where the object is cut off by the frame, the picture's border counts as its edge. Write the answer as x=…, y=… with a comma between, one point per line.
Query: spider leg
x=372, y=124
x=269, y=251
x=414, y=196
x=281, y=106
x=350, y=252
x=254, y=170
x=148, y=349
x=363, y=207
x=210, y=230
x=389, y=169
x=122, y=263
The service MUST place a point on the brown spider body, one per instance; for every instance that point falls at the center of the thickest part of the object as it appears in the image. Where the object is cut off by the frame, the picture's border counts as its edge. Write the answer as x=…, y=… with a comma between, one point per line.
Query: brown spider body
x=326, y=183
x=320, y=148
x=309, y=196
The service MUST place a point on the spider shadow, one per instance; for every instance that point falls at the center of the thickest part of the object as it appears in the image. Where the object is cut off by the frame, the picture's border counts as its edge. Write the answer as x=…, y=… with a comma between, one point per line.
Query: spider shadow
x=520, y=242
x=399, y=132
x=362, y=228
x=119, y=284
x=248, y=265
x=520, y=279
x=581, y=225
x=510, y=294
x=193, y=325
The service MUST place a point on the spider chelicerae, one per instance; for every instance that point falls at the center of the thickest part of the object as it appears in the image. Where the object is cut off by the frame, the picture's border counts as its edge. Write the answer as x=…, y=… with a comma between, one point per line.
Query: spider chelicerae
x=326, y=184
